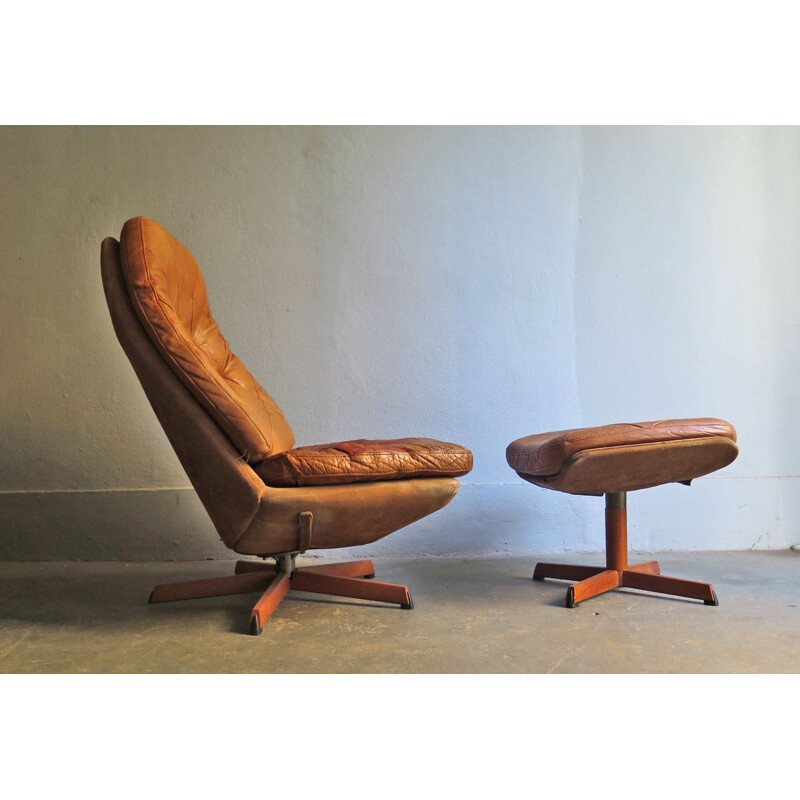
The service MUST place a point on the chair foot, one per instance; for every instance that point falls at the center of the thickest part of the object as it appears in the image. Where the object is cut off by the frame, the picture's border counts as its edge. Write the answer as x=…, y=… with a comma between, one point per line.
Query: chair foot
x=307, y=581
x=268, y=602
x=211, y=587
x=344, y=569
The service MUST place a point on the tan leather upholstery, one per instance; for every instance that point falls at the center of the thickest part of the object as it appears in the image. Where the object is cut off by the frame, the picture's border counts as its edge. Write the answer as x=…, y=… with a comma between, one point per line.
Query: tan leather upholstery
x=250, y=517
x=169, y=295
x=626, y=457
x=364, y=460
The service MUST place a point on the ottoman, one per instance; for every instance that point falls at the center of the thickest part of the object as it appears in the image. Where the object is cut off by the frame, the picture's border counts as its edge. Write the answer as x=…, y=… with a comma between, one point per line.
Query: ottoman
x=613, y=460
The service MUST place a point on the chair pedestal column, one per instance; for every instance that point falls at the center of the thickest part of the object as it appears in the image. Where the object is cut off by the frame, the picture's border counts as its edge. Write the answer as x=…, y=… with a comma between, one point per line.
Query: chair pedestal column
x=592, y=581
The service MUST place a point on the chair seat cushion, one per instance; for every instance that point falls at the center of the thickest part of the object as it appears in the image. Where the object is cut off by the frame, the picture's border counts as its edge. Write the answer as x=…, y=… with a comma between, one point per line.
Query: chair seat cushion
x=613, y=458
x=365, y=460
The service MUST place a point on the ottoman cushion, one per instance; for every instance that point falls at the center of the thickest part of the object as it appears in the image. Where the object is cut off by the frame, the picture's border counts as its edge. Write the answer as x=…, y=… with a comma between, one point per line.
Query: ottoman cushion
x=623, y=457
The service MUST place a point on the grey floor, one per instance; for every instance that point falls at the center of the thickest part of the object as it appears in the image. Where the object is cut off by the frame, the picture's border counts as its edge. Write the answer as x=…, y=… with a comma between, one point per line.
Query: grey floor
x=471, y=616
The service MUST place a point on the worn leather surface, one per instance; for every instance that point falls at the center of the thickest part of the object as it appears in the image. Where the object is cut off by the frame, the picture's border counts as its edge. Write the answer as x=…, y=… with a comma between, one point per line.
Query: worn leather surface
x=364, y=460
x=169, y=296
x=250, y=517
x=544, y=454
x=346, y=515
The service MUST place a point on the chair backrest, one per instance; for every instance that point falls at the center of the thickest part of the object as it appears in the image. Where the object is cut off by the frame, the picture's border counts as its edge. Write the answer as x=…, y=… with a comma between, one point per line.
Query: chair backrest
x=168, y=293
x=227, y=486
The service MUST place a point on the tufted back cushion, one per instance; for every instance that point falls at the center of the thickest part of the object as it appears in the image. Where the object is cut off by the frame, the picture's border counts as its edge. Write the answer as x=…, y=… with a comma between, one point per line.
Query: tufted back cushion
x=169, y=295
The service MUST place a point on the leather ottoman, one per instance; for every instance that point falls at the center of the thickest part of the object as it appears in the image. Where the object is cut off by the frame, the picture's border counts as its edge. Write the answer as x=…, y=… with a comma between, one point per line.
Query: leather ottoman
x=612, y=460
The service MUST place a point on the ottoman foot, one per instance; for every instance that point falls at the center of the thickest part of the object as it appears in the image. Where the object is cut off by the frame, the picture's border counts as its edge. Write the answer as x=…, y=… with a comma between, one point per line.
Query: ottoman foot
x=674, y=586
x=603, y=582
x=650, y=567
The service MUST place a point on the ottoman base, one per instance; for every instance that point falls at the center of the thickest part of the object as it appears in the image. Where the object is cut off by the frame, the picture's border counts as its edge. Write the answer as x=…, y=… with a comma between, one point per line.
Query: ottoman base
x=617, y=573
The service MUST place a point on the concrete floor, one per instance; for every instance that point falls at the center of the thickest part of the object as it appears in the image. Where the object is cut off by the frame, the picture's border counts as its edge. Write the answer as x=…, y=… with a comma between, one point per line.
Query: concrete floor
x=470, y=616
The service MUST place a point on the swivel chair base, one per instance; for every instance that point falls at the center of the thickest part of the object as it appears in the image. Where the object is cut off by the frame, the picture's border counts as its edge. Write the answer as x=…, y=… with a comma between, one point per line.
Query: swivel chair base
x=345, y=579
x=617, y=573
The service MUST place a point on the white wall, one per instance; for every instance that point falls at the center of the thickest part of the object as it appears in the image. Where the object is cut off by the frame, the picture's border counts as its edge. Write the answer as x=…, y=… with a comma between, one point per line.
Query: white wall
x=469, y=284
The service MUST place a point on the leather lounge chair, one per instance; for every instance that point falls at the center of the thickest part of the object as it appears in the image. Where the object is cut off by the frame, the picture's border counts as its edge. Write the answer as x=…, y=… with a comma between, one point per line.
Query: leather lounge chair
x=265, y=496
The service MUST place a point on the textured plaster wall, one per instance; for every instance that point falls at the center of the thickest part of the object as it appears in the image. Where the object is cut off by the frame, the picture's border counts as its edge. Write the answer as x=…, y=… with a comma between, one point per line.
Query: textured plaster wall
x=470, y=284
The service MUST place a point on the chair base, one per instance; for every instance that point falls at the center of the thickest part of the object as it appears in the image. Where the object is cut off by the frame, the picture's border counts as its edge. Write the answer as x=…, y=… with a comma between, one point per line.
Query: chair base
x=617, y=573
x=345, y=579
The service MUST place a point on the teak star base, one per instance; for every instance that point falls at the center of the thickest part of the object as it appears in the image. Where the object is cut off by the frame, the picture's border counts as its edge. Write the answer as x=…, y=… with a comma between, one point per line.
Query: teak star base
x=345, y=579
x=617, y=572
